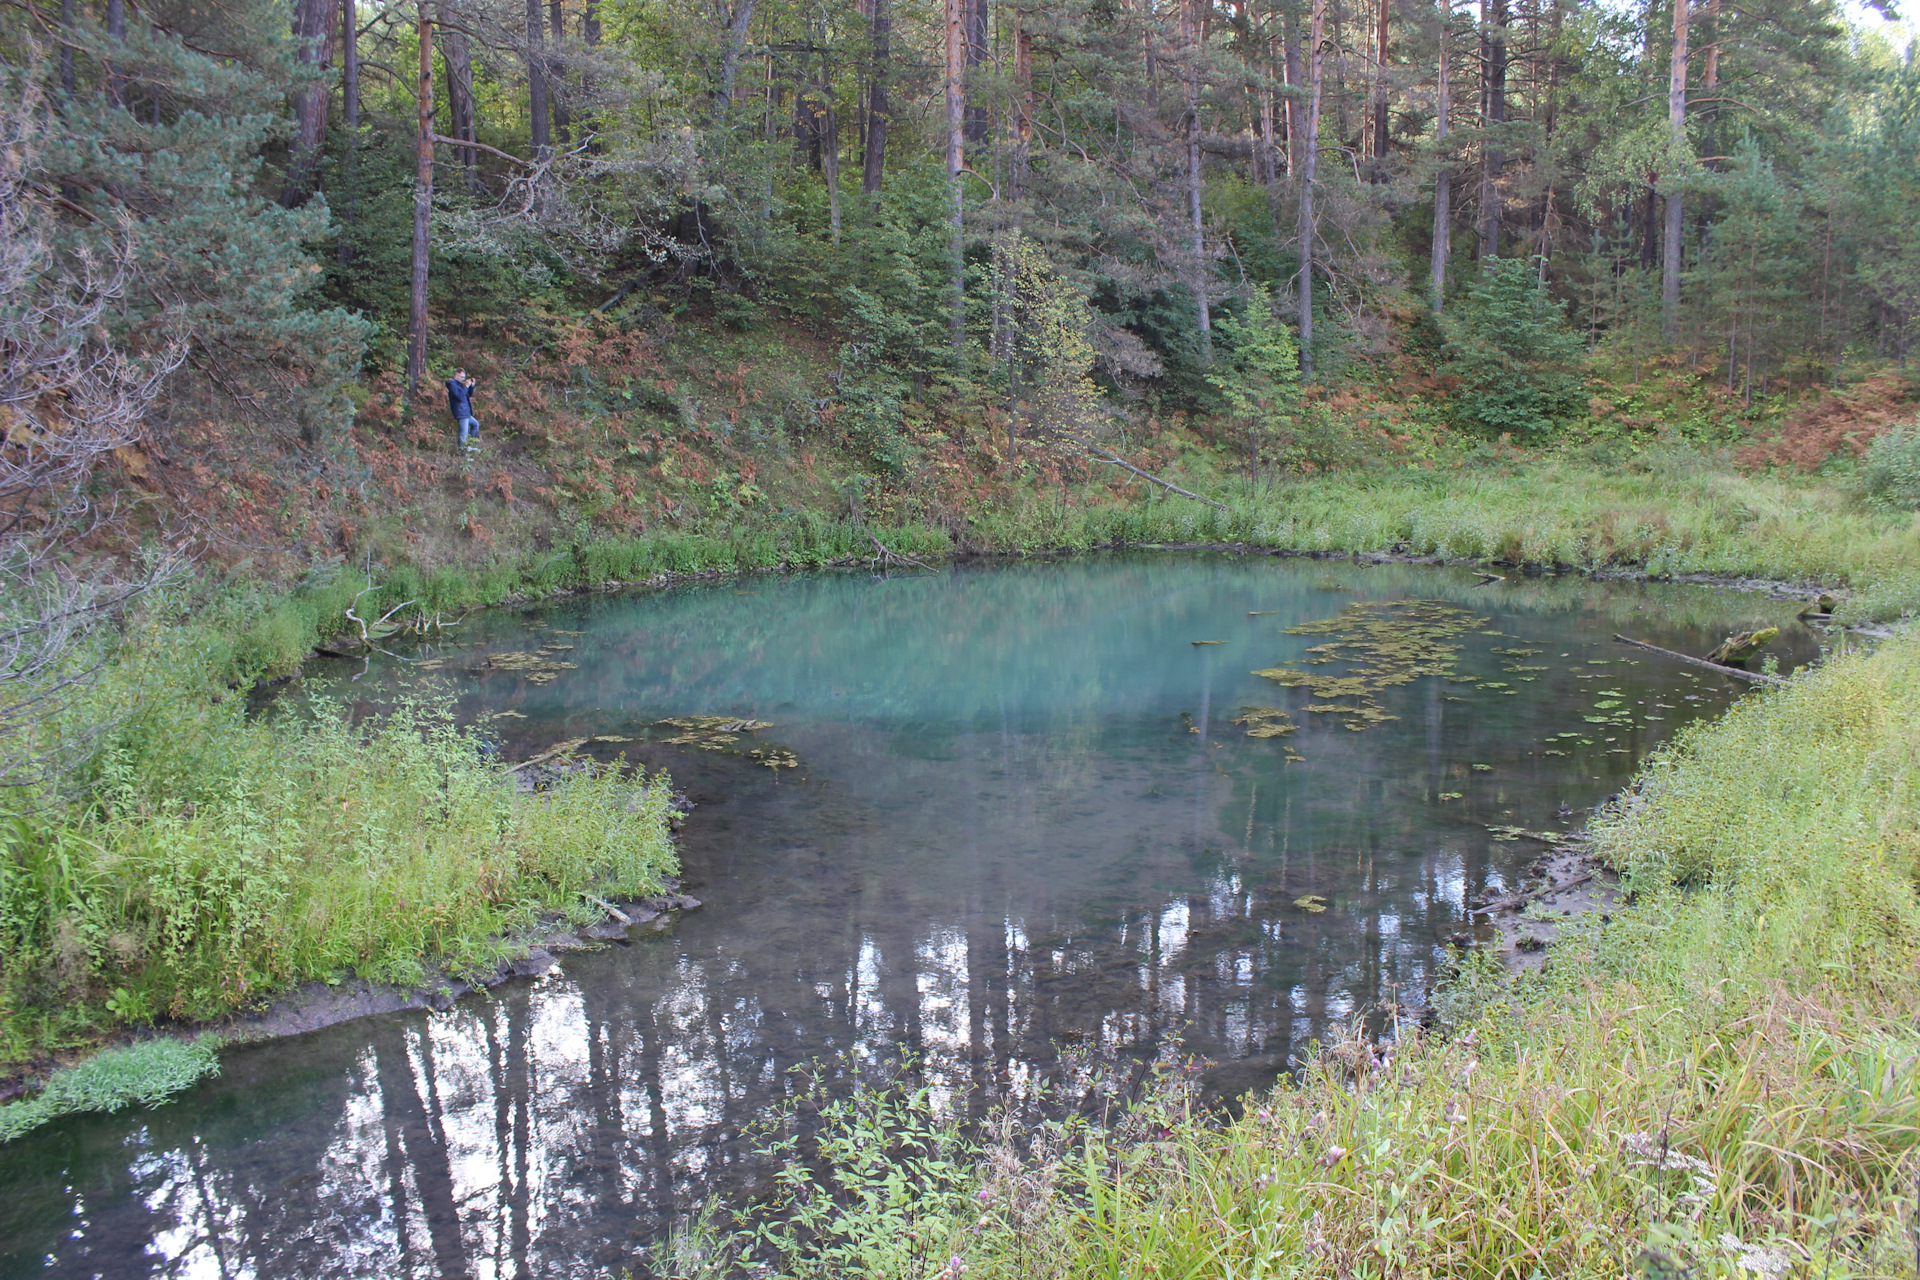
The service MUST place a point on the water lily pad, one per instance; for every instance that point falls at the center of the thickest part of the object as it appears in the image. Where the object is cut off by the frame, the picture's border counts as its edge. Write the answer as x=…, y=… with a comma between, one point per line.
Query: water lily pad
x=1312, y=902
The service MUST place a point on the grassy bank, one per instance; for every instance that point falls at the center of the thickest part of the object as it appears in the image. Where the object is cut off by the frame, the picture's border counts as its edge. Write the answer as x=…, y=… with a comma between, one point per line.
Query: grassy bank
x=200, y=859
x=1719, y=1082
x=1674, y=512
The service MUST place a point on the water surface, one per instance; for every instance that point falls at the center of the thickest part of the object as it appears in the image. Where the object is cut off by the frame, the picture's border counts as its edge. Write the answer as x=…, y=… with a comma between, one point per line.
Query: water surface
x=1023, y=833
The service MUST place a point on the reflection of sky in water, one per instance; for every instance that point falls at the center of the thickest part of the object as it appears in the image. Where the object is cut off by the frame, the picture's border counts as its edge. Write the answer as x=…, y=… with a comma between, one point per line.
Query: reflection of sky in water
x=1003, y=851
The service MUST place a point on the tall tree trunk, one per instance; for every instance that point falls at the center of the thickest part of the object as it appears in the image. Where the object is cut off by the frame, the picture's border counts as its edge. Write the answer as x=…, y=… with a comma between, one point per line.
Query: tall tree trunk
x=350, y=65
x=1443, y=178
x=557, y=74
x=1493, y=49
x=1193, y=36
x=1382, y=126
x=1676, y=212
x=458, y=59
x=1022, y=102
x=1309, y=167
x=1269, y=129
x=350, y=112
x=313, y=33
x=1295, y=79
x=873, y=162
x=955, y=16
x=976, y=35
x=736, y=41
x=537, y=113
x=422, y=212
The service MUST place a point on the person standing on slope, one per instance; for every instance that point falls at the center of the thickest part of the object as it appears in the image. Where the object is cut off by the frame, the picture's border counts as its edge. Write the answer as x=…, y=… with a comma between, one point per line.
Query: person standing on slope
x=460, y=404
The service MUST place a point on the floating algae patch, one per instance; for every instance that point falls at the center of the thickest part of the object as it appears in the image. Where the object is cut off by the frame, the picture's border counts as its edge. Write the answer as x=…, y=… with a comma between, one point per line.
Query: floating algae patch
x=719, y=733
x=538, y=668
x=1265, y=722
x=1381, y=644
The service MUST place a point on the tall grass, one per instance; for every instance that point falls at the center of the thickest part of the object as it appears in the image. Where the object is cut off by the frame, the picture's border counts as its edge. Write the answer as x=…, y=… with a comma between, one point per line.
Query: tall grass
x=1682, y=516
x=207, y=859
x=1720, y=1082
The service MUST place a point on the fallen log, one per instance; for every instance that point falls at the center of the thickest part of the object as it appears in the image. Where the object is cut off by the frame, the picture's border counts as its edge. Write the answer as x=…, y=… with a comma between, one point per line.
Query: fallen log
x=1736, y=649
x=1545, y=891
x=1752, y=677
x=1168, y=485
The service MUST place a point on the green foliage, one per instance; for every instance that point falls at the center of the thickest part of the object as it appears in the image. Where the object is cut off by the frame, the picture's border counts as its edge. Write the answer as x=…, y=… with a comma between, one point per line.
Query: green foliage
x=143, y=1074
x=1512, y=355
x=221, y=857
x=1890, y=473
x=1258, y=373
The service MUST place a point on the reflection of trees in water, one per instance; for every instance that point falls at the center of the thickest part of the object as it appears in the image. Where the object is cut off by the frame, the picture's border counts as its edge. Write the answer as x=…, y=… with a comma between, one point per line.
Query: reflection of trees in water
x=1043, y=868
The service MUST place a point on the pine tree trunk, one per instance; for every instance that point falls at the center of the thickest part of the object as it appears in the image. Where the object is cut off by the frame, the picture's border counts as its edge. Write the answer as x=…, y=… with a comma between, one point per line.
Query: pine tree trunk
x=1309, y=167
x=1676, y=213
x=1022, y=103
x=422, y=212
x=956, y=104
x=874, y=159
x=458, y=59
x=537, y=114
x=350, y=65
x=1443, y=179
x=313, y=33
x=350, y=111
x=1193, y=38
x=557, y=74
x=976, y=35
x=1493, y=47
x=1382, y=125
x=1295, y=79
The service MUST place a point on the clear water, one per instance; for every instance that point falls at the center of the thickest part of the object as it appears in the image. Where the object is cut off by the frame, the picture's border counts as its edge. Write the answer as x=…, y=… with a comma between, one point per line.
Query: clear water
x=1023, y=832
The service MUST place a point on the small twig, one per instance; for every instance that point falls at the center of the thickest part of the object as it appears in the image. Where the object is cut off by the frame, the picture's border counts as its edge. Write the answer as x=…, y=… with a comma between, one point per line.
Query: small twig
x=1103, y=455
x=1486, y=579
x=1752, y=677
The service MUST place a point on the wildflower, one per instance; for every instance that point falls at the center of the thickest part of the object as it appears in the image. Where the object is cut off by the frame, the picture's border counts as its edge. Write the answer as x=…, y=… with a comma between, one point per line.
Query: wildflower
x=956, y=1266
x=983, y=1195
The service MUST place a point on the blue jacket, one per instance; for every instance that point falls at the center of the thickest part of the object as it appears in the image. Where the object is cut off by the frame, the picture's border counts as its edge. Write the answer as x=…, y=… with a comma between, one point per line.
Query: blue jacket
x=459, y=398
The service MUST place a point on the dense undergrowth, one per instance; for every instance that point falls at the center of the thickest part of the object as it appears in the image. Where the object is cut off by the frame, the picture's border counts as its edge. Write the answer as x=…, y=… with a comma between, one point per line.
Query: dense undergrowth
x=1719, y=1082
x=201, y=859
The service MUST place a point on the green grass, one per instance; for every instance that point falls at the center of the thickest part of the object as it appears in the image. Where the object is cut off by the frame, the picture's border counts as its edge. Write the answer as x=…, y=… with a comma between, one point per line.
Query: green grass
x=1669, y=514
x=1724, y=1075
x=205, y=859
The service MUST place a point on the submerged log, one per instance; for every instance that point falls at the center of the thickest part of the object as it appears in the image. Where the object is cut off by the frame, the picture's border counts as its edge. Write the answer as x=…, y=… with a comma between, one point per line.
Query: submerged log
x=1751, y=677
x=1736, y=649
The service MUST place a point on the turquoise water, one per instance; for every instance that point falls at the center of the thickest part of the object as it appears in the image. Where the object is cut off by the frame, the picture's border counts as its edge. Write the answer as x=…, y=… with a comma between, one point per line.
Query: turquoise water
x=1022, y=835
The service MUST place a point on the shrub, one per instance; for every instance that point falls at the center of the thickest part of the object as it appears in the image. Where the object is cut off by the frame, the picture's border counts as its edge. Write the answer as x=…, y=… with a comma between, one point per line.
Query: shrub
x=1890, y=472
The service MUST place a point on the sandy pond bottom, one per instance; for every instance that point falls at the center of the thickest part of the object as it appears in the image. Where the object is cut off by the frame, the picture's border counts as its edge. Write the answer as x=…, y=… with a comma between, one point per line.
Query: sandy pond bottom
x=1014, y=820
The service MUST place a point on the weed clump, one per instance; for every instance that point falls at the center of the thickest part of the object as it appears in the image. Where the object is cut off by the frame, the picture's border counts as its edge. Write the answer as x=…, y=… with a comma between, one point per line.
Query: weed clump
x=136, y=1075
x=205, y=859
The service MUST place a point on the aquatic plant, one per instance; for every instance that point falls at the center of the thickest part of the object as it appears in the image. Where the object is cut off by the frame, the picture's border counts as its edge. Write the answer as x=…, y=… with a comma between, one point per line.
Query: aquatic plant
x=143, y=1074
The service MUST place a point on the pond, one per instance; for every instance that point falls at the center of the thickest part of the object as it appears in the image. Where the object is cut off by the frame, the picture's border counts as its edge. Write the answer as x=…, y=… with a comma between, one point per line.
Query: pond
x=1010, y=820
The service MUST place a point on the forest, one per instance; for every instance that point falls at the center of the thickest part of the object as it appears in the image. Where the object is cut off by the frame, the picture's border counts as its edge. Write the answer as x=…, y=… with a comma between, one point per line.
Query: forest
x=1056, y=213
x=789, y=798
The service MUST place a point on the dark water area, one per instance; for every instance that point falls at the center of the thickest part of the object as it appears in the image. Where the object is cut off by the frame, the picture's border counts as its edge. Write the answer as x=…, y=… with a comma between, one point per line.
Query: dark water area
x=1023, y=833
